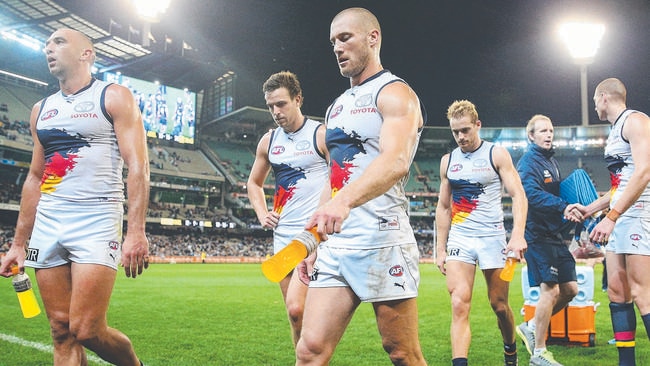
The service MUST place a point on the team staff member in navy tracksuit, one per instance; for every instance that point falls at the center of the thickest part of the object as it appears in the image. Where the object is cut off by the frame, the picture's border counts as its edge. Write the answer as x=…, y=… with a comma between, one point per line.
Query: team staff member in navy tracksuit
x=550, y=263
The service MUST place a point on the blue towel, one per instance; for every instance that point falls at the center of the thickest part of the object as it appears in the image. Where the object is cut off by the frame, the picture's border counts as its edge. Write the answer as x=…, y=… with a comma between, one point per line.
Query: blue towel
x=578, y=188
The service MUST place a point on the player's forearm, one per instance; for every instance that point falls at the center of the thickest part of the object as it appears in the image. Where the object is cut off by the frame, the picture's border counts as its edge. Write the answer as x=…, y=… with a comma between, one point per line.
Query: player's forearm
x=137, y=184
x=519, y=214
x=443, y=224
x=257, y=201
x=598, y=205
x=30, y=196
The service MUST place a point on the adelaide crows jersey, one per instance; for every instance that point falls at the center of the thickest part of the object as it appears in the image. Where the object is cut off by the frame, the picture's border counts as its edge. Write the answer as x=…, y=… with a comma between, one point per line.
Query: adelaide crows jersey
x=300, y=174
x=353, y=128
x=82, y=159
x=476, y=207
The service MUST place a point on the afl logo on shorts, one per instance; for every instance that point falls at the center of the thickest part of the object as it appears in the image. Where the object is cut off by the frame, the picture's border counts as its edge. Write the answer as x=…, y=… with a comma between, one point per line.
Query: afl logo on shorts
x=396, y=271
x=49, y=114
x=113, y=245
x=635, y=237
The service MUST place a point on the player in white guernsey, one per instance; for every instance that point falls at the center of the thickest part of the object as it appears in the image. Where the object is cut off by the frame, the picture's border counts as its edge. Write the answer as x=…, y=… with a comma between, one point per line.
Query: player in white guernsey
x=72, y=203
x=297, y=154
x=626, y=228
x=370, y=254
x=470, y=230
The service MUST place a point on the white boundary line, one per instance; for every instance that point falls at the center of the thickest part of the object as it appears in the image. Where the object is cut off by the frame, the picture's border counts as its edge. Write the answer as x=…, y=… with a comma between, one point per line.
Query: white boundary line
x=43, y=347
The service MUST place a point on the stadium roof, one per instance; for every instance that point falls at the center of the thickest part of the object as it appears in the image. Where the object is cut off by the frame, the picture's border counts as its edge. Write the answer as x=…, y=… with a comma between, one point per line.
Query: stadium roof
x=507, y=59
x=32, y=21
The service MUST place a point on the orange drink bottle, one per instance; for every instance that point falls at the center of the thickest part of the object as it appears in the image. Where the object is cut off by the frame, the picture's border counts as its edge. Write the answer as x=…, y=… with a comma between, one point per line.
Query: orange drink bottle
x=508, y=271
x=281, y=263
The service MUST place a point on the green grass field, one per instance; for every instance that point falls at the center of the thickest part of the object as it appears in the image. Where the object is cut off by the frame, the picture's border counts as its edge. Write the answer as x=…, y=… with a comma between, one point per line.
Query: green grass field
x=229, y=314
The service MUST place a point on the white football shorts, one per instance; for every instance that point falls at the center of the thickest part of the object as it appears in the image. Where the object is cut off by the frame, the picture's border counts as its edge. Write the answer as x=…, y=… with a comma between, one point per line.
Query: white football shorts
x=73, y=232
x=383, y=274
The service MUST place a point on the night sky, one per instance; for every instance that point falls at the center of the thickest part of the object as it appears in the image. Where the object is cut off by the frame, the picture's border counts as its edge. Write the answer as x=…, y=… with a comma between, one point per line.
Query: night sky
x=505, y=56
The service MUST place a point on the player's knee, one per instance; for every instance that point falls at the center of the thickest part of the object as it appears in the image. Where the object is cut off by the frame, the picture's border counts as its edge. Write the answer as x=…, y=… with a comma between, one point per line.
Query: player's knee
x=570, y=293
x=398, y=358
x=307, y=350
x=60, y=330
x=397, y=355
x=83, y=333
x=641, y=297
x=295, y=311
x=500, y=307
x=460, y=305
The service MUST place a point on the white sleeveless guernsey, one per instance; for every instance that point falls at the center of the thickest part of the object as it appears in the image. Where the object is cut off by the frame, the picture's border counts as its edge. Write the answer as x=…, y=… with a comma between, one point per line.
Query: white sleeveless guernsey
x=82, y=159
x=618, y=156
x=353, y=127
x=476, y=208
x=300, y=172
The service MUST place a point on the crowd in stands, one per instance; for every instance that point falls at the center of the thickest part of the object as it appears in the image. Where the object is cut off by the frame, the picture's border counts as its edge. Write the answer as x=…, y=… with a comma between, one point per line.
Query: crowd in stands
x=214, y=242
x=10, y=193
x=14, y=131
x=162, y=156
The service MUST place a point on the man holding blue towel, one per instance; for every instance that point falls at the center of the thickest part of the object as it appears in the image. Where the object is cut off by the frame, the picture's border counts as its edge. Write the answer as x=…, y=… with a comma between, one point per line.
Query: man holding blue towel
x=551, y=265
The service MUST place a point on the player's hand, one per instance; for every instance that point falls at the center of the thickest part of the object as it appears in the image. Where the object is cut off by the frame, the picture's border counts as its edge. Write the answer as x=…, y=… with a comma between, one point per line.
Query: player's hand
x=14, y=257
x=329, y=218
x=271, y=220
x=518, y=246
x=600, y=234
x=575, y=212
x=135, y=254
x=440, y=262
x=306, y=268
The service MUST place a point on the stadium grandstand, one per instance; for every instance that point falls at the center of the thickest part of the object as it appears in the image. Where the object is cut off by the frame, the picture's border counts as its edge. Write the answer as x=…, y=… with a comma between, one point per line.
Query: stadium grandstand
x=199, y=170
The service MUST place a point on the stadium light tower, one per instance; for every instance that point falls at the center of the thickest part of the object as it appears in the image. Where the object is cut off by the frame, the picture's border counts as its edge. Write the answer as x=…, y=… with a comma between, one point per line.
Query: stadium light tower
x=149, y=11
x=583, y=40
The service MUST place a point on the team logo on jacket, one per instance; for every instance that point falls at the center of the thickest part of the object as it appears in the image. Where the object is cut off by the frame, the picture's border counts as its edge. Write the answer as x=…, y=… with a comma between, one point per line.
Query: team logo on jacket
x=49, y=114
x=548, y=178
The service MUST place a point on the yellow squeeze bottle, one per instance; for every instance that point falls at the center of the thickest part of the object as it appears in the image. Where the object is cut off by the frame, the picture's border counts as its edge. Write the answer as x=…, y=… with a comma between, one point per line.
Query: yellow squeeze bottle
x=281, y=263
x=508, y=271
x=26, y=297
